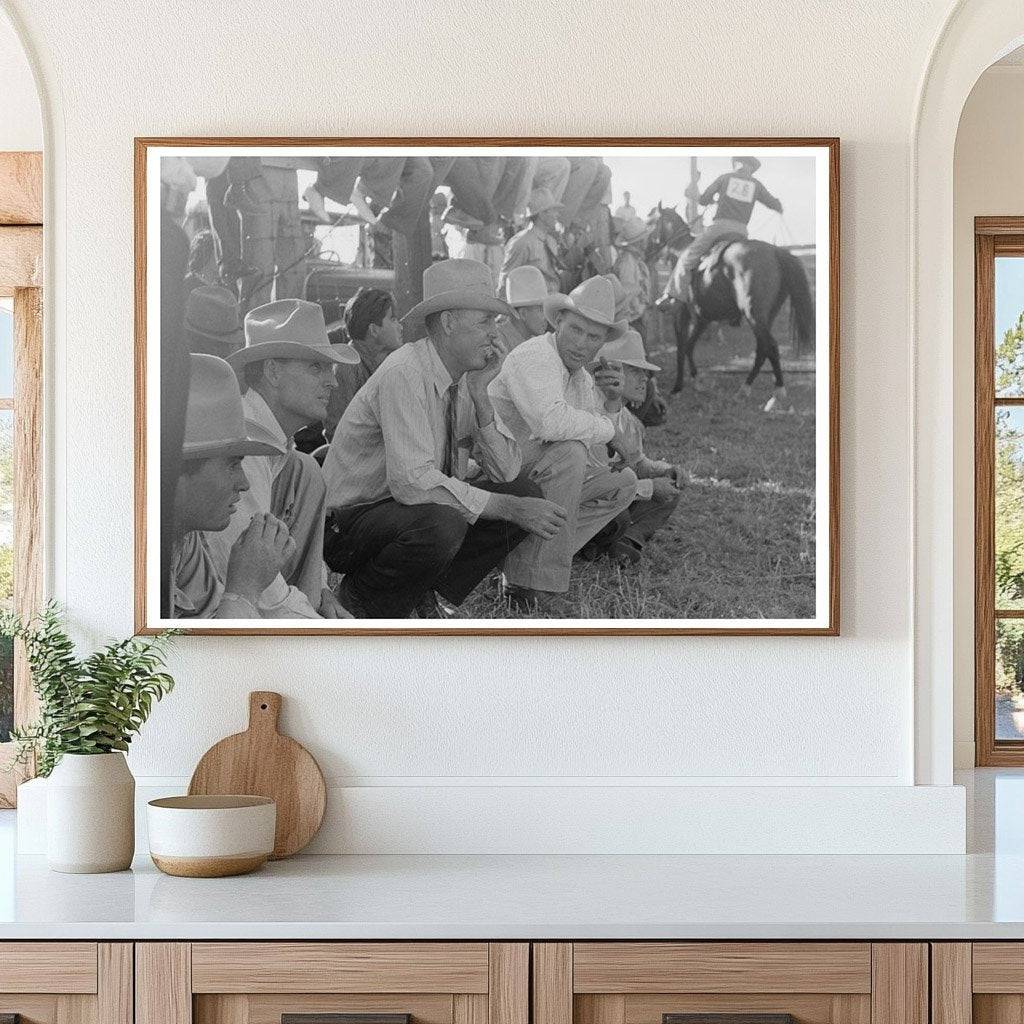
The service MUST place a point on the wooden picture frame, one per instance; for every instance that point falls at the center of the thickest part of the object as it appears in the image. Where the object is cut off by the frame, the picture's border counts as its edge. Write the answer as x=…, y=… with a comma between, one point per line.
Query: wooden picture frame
x=825, y=621
x=21, y=263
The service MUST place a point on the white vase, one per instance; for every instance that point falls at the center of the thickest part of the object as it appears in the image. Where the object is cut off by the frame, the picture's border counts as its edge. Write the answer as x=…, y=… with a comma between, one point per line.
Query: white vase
x=90, y=814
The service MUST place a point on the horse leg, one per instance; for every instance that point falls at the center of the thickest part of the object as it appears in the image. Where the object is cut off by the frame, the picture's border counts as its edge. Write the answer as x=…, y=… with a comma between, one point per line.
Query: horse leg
x=697, y=328
x=760, y=355
x=779, y=402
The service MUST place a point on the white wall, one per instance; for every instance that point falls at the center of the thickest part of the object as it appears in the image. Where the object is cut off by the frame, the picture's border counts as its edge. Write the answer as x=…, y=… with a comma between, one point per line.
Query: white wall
x=988, y=181
x=491, y=712
x=21, y=125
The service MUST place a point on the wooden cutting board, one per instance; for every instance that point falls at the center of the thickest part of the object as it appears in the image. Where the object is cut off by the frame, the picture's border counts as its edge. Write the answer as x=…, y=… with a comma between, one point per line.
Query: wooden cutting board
x=262, y=762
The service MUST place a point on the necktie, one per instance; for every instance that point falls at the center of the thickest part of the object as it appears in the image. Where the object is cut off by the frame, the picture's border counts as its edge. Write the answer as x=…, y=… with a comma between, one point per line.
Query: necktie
x=451, y=437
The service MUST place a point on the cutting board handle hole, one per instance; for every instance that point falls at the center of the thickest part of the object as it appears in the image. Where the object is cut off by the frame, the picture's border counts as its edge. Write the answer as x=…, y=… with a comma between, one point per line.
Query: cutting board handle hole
x=263, y=707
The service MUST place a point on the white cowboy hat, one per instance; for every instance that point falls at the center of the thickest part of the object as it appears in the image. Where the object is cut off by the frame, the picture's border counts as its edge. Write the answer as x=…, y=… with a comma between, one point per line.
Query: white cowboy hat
x=619, y=294
x=594, y=300
x=289, y=329
x=633, y=230
x=214, y=418
x=457, y=284
x=525, y=286
x=628, y=349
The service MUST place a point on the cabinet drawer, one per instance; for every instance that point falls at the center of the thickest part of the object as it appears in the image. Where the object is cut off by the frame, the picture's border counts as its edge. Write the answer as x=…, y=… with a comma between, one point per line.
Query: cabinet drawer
x=48, y=967
x=260, y=982
x=635, y=967
x=340, y=967
x=749, y=982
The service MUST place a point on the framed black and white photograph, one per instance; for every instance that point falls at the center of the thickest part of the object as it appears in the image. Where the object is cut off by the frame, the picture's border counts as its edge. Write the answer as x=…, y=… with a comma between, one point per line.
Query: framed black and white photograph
x=440, y=386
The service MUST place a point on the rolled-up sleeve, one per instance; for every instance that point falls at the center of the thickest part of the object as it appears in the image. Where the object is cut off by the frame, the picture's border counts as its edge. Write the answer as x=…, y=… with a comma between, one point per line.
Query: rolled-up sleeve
x=412, y=474
x=535, y=387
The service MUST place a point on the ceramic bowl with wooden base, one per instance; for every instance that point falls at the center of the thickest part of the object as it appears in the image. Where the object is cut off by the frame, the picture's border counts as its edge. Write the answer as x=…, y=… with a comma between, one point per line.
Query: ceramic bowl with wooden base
x=211, y=836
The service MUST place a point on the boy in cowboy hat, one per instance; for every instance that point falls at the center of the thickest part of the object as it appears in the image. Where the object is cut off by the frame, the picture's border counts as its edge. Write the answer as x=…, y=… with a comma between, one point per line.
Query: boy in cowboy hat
x=536, y=245
x=736, y=194
x=631, y=268
x=286, y=369
x=406, y=521
x=208, y=488
x=525, y=292
x=547, y=397
x=622, y=376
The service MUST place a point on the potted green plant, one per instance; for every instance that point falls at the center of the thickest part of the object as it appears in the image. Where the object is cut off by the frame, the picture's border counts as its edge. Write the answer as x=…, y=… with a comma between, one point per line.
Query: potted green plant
x=89, y=709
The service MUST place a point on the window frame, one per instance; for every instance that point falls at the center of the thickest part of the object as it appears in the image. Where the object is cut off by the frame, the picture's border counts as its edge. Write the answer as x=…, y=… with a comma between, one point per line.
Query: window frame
x=993, y=237
x=21, y=260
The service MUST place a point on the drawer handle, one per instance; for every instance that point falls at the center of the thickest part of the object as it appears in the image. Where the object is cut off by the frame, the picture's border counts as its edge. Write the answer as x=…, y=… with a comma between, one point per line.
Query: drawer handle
x=728, y=1018
x=339, y=1018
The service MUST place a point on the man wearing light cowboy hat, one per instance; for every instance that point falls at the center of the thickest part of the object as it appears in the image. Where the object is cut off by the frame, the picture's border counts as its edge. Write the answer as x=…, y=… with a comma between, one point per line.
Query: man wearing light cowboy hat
x=408, y=519
x=736, y=194
x=624, y=372
x=547, y=397
x=537, y=244
x=208, y=488
x=286, y=370
x=631, y=268
x=525, y=292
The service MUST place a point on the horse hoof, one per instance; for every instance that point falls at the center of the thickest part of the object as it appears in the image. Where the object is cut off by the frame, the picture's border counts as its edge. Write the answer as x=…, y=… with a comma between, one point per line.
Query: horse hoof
x=779, y=404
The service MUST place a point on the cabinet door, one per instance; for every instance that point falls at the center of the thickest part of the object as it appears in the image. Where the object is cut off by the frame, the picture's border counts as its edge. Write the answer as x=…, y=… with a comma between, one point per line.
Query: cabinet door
x=66, y=982
x=980, y=982
x=332, y=983
x=737, y=982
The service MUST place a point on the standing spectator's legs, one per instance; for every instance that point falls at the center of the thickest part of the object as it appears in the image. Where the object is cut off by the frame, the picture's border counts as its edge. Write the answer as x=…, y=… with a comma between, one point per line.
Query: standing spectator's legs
x=391, y=554
x=226, y=230
x=552, y=173
x=491, y=255
x=414, y=191
x=590, y=497
x=379, y=178
x=299, y=499
x=469, y=179
x=582, y=174
x=337, y=177
x=506, y=193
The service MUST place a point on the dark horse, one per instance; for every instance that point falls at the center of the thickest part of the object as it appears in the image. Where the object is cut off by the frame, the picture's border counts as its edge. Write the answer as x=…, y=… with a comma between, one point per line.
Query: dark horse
x=749, y=280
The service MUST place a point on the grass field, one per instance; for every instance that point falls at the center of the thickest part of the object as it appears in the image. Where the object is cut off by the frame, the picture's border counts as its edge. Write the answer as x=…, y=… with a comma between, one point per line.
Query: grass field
x=741, y=541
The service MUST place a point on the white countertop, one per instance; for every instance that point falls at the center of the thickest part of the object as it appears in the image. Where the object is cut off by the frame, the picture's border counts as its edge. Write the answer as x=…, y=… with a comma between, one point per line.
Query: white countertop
x=532, y=897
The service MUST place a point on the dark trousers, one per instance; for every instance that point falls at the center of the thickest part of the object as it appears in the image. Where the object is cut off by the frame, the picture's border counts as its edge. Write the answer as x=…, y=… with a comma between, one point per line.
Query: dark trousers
x=392, y=554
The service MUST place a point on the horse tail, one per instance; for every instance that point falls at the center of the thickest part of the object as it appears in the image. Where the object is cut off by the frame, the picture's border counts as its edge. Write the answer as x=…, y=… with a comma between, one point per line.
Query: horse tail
x=794, y=279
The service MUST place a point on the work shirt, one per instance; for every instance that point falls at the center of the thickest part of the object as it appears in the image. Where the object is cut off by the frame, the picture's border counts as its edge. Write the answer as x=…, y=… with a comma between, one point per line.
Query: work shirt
x=392, y=440
x=635, y=277
x=541, y=401
x=736, y=196
x=531, y=248
x=261, y=471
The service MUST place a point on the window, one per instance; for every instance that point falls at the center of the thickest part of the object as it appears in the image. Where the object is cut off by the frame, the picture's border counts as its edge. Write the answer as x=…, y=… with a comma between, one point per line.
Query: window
x=999, y=490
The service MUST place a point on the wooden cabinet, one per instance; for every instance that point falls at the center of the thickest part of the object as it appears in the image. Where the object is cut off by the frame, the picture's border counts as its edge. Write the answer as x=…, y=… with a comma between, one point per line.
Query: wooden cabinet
x=66, y=982
x=815, y=982
x=259, y=982
x=980, y=982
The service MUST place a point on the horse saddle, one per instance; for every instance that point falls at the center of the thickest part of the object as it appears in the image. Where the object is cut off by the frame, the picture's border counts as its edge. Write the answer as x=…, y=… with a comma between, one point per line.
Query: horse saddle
x=714, y=254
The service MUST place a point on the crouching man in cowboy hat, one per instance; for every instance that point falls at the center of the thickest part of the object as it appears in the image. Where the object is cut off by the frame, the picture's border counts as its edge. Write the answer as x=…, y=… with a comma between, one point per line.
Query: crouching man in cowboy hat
x=525, y=292
x=287, y=374
x=209, y=486
x=547, y=397
x=405, y=523
x=622, y=374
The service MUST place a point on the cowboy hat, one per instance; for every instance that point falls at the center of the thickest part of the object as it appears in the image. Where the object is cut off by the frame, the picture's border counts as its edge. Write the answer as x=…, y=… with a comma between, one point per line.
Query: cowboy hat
x=211, y=311
x=289, y=329
x=628, y=349
x=214, y=418
x=633, y=230
x=525, y=286
x=594, y=300
x=457, y=284
x=540, y=200
x=751, y=161
x=619, y=294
